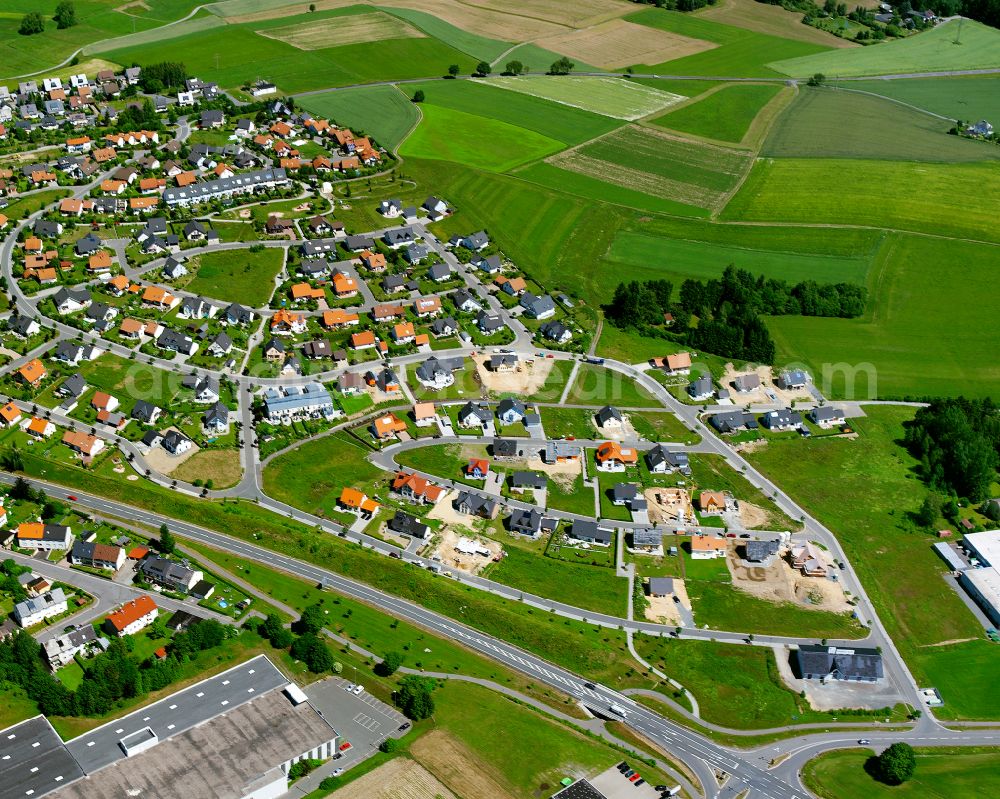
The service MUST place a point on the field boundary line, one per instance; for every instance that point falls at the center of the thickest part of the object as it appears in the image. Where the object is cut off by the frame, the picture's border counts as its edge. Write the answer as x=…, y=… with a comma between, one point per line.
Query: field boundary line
x=413, y=127
x=892, y=100
x=767, y=116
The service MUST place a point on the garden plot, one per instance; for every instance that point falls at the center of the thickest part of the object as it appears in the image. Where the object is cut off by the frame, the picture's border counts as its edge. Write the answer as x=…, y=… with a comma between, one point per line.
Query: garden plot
x=401, y=778
x=616, y=44
x=612, y=97
x=337, y=31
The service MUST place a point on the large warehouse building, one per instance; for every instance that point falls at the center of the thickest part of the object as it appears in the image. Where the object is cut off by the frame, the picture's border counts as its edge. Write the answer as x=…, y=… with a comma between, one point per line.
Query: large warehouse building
x=983, y=583
x=232, y=736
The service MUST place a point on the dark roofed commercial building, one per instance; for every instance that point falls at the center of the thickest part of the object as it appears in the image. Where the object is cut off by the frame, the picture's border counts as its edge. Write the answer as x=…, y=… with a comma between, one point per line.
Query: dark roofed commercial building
x=581, y=789
x=817, y=662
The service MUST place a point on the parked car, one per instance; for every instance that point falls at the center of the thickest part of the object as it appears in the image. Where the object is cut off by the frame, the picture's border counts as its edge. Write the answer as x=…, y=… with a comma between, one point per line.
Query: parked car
x=864, y=742
x=358, y=690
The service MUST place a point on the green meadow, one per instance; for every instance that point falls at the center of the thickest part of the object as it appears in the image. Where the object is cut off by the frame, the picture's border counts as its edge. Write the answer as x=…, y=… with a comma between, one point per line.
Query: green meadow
x=725, y=114
x=938, y=49
x=479, y=47
x=969, y=98
x=383, y=111
x=879, y=129
x=237, y=275
x=463, y=138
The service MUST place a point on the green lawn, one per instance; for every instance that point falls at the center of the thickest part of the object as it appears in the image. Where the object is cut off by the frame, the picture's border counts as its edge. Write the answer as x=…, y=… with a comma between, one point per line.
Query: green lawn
x=907, y=344
x=725, y=115
x=967, y=98
x=238, y=275
x=662, y=427
x=450, y=135
x=577, y=499
x=612, y=97
x=575, y=422
x=653, y=256
x=921, y=197
x=595, y=385
x=479, y=47
x=900, y=571
x=555, y=120
x=877, y=129
x=960, y=773
x=931, y=51
x=383, y=111
x=15, y=706
x=25, y=206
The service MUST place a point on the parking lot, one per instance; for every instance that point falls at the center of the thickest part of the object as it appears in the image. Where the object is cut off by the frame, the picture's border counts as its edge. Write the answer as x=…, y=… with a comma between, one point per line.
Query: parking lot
x=615, y=785
x=363, y=720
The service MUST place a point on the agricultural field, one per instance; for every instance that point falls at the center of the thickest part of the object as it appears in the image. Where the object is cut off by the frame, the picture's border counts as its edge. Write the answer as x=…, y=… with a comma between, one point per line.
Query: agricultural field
x=613, y=97
x=956, y=773
x=237, y=275
x=335, y=31
x=661, y=165
x=558, y=121
x=968, y=98
x=878, y=129
x=465, y=41
x=770, y=19
x=463, y=138
x=907, y=338
x=650, y=257
x=935, y=50
x=906, y=195
x=725, y=115
x=383, y=111
x=900, y=571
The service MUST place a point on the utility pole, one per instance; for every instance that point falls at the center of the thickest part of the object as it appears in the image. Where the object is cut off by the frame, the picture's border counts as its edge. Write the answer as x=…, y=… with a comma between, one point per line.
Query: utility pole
x=958, y=35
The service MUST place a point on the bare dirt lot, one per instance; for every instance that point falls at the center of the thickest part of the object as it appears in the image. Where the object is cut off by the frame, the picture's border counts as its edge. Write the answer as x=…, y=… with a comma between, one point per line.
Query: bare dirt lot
x=336, y=31
x=663, y=610
x=779, y=582
x=473, y=563
x=400, y=778
x=669, y=505
x=616, y=43
x=457, y=767
x=759, y=396
x=752, y=515
x=162, y=461
x=527, y=378
x=564, y=473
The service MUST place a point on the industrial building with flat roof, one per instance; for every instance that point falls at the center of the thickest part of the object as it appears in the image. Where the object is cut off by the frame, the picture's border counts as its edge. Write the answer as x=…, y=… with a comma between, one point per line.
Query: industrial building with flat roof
x=34, y=761
x=983, y=583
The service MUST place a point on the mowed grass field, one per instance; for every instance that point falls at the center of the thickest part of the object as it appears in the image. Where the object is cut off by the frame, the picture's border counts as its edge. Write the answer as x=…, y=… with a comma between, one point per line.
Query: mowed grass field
x=867, y=127
x=952, y=773
x=930, y=321
x=465, y=41
x=905, y=195
x=649, y=257
x=558, y=121
x=740, y=52
x=235, y=54
x=931, y=51
x=237, y=275
x=613, y=97
x=725, y=114
x=660, y=165
x=383, y=111
x=449, y=135
x=335, y=31
x=901, y=573
x=969, y=98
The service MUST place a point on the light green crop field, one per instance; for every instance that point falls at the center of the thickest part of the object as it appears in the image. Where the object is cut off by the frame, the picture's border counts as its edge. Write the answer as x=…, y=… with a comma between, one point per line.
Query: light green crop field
x=449, y=135
x=96, y=20
x=931, y=51
x=471, y=44
x=237, y=275
x=930, y=317
x=613, y=97
x=539, y=59
x=383, y=111
x=741, y=52
x=878, y=129
x=968, y=98
x=555, y=120
x=725, y=115
x=647, y=257
x=901, y=573
x=660, y=165
x=921, y=197
x=235, y=54
x=952, y=773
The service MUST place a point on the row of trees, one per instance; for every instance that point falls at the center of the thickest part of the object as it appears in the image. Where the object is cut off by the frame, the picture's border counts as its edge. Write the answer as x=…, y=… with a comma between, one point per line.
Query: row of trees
x=958, y=444
x=33, y=22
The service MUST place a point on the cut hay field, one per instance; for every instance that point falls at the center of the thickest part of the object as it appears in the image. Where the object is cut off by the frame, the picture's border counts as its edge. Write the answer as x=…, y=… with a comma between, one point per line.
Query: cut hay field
x=968, y=98
x=383, y=111
x=769, y=19
x=449, y=135
x=650, y=257
x=613, y=97
x=906, y=195
x=867, y=127
x=725, y=114
x=931, y=51
x=931, y=318
x=556, y=120
x=617, y=43
x=336, y=31
x=467, y=42
x=660, y=165
x=741, y=52
x=538, y=59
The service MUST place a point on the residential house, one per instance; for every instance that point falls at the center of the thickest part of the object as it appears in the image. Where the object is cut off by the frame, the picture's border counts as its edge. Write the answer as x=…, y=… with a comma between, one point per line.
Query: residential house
x=587, y=531
x=286, y=403
x=793, y=380
x=405, y=524
x=39, y=608
x=358, y=503
x=388, y=426
x=415, y=488
x=707, y=547
x=170, y=574
x=783, y=419
x=472, y=504
x=474, y=414
x=477, y=469
x=511, y=411
x=610, y=418
x=132, y=617
x=97, y=556
x=44, y=537
x=661, y=460
x=611, y=456
x=424, y=414
x=556, y=331
x=746, y=383
x=827, y=416
x=733, y=422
